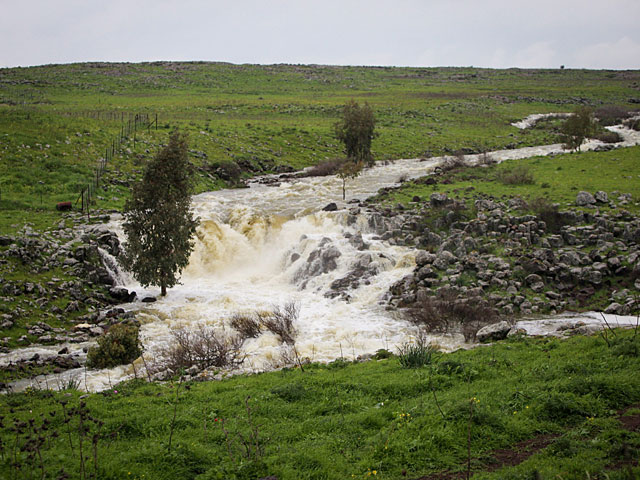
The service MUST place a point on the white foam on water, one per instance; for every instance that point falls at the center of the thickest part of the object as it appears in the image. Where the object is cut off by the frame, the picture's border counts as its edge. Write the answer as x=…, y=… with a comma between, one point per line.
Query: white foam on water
x=245, y=260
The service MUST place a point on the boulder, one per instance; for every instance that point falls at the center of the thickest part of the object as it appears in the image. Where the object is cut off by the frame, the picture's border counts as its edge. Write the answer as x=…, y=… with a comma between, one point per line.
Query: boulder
x=122, y=294
x=423, y=257
x=444, y=259
x=439, y=199
x=585, y=199
x=614, y=308
x=358, y=242
x=533, y=279
x=496, y=331
x=332, y=207
x=601, y=197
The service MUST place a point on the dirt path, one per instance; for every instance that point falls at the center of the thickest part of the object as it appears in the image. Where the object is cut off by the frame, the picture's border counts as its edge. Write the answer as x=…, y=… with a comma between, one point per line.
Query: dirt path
x=510, y=457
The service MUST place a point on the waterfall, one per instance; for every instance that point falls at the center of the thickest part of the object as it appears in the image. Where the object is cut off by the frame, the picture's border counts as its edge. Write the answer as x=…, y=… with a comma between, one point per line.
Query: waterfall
x=110, y=264
x=267, y=245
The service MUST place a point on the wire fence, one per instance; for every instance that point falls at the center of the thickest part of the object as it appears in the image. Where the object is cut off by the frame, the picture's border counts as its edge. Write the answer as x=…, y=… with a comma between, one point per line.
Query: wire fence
x=130, y=125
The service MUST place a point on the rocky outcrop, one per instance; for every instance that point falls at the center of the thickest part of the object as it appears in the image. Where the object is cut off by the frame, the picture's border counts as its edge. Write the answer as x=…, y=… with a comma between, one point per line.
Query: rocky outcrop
x=518, y=261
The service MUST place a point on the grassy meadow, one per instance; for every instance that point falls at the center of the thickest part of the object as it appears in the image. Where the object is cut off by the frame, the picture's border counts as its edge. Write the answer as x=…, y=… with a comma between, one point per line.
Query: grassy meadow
x=350, y=420
x=557, y=179
x=56, y=121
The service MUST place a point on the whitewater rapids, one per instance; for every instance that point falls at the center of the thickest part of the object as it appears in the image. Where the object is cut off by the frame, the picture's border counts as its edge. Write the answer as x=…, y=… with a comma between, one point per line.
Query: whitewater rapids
x=256, y=248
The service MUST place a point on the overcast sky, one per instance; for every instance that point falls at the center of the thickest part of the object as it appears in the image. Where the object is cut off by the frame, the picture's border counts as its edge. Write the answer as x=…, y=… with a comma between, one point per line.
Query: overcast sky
x=483, y=33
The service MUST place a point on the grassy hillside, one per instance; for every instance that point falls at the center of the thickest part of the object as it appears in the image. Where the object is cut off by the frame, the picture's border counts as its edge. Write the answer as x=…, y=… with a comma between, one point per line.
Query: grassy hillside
x=557, y=179
x=350, y=420
x=56, y=121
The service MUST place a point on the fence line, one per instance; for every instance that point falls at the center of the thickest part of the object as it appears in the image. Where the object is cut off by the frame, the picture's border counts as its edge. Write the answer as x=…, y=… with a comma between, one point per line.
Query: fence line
x=128, y=127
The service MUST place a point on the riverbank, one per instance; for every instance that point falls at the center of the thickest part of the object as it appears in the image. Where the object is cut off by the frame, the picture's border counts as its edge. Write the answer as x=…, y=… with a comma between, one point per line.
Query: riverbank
x=477, y=238
x=353, y=420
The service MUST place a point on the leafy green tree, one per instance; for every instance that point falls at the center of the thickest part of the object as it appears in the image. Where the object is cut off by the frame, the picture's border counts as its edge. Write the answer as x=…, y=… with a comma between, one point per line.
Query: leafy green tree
x=356, y=130
x=577, y=127
x=158, y=222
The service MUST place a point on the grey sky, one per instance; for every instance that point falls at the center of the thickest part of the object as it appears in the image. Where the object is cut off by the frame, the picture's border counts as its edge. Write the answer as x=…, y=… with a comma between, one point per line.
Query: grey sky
x=485, y=33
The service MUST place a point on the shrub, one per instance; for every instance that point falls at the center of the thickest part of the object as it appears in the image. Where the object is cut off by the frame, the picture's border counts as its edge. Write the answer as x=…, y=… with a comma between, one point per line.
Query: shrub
x=248, y=326
x=120, y=345
x=486, y=160
x=633, y=123
x=446, y=215
x=326, y=168
x=281, y=321
x=415, y=354
x=518, y=175
x=290, y=392
x=567, y=407
x=626, y=347
x=205, y=347
x=611, y=115
x=615, y=392
x=453, y=163
x=609, y=137
x=382, y=353
x=227, y=171
x=441, y=313
x=548, y=213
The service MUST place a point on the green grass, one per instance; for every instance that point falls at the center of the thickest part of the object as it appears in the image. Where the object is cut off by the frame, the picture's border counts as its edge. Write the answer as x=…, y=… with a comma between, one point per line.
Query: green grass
x=558, y=179
x=57, y=120
x=345, y=420
x=342, y=420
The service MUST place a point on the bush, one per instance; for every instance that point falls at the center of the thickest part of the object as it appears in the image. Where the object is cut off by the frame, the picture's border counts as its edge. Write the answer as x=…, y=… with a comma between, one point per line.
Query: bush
x=567, y=407
x=609, y=137
x=519, y=175
x=441, y=313
x=120, y=345
x=323, y=169
x=455, y=162
x=486, y=160
x=548, y=213
x=290, y=392
x=248, y=326
x=633, y=124
x=227, y=171
x=204, y=348
x=415, y=354
x=382, y=353
x=611, y=115
x=626, y=346
x=281, y=321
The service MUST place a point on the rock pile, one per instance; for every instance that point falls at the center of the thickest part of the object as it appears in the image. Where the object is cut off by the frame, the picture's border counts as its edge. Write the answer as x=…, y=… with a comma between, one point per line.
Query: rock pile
x=517, y=261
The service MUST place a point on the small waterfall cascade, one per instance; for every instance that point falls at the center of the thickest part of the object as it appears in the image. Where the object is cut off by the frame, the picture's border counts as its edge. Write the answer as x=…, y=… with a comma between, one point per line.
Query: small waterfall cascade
x=268, y=245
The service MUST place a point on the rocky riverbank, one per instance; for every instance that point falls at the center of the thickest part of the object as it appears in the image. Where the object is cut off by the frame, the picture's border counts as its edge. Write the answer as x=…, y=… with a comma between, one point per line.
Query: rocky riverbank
x=68, y=296
x=577, y=258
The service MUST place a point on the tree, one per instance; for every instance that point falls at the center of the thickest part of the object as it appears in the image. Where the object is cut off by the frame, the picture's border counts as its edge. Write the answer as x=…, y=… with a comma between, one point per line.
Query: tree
x=356, y=130
x=158, y=223
x=349, y=170
x=577, y=127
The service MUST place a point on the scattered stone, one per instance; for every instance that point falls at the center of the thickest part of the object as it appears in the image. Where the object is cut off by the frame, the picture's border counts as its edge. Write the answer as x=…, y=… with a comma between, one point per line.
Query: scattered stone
x=585, y=199
x=122, y=294
x=601, y=197
x=496, y=331
x=439, y=199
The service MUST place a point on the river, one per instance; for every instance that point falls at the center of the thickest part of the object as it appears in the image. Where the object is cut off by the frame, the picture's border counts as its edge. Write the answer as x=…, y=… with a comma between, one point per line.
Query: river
x=254, y=249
